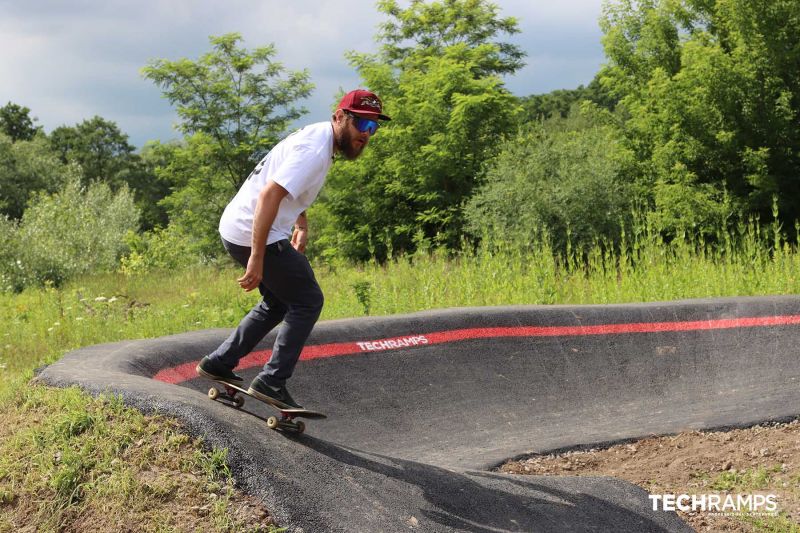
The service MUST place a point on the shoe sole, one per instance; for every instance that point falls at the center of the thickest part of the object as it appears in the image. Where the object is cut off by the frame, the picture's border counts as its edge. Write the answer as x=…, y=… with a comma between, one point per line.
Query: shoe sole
x=203, y=373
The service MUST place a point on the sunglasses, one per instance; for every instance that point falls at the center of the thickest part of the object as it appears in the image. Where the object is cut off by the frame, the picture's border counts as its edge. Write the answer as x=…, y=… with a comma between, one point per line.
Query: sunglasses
x=364, y=124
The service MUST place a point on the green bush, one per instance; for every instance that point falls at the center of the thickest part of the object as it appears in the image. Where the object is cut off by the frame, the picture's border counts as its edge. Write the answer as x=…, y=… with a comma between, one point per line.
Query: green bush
x=74, y=231
x=162, y=248
x=566, y=178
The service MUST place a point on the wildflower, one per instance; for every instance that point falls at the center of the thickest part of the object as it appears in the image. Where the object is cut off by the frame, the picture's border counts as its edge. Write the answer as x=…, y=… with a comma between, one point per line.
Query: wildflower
x=112, y=300
x=101, y=299
x=185, y=306
x=49, y=330
x=56, y=324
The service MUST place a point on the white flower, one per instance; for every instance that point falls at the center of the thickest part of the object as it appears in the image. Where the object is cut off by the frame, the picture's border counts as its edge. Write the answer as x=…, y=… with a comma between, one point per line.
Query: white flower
x=101, y=299
x=112, y=300
x=56, y=324
x=49, y=330
x=78, y=319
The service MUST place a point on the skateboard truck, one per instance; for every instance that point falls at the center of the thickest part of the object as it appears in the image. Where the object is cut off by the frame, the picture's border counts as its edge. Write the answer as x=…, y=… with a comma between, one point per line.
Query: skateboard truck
x=229, y=395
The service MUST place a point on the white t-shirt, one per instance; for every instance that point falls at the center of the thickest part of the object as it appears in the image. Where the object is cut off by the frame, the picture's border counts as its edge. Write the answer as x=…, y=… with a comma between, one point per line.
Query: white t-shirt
x=299, y=164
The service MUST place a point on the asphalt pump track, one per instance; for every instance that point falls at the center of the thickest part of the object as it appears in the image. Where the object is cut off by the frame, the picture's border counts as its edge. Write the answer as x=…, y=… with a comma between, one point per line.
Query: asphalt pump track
x=421, y=407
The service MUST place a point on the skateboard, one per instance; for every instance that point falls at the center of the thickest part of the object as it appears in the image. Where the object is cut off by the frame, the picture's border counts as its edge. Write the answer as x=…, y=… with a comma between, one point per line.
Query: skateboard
x=230, y=394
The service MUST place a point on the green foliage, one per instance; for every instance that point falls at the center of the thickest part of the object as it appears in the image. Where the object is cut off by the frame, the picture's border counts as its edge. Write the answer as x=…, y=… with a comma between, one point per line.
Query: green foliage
x=74, y=231
x=568, y=179
x=16, y=122
x=559, y=103
x=99, y=148
x=199, y=192
x=27, y=166
x=104, y=154
x=363, y=290
x=427, y=29
x=161, y=248
x=12, y=274
x=150, y=186
x=449, y=111
x=242, y=101
x=712, y=92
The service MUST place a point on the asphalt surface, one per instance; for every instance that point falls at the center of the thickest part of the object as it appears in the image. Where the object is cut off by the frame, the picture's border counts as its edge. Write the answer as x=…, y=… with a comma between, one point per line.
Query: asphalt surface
x=421, y=407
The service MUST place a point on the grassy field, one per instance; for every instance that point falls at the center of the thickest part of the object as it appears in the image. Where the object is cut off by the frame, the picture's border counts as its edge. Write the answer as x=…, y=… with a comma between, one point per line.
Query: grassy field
x=58, y=448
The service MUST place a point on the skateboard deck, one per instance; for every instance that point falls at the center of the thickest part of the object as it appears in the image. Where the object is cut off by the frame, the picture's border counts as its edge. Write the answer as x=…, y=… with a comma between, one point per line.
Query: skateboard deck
x=230, y=394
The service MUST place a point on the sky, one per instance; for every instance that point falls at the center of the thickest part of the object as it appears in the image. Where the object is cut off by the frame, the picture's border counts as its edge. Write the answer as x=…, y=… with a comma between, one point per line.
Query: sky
x=69, y=61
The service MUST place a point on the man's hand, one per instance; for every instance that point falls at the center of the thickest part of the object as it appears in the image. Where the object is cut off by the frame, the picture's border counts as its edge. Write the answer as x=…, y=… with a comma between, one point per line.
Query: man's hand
x=300, y=239
x=254, y=273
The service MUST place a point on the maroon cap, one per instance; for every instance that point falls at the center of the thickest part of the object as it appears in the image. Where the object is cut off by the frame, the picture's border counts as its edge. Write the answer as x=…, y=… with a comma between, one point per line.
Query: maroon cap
x=364, y=104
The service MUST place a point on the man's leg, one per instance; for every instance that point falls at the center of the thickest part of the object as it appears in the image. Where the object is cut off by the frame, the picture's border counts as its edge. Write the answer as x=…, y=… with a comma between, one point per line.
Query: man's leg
x=292, y=281
x=261, y=319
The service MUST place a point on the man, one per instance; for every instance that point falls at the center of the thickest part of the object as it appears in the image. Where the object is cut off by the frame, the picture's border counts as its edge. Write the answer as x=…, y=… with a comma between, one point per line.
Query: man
x=256, y=227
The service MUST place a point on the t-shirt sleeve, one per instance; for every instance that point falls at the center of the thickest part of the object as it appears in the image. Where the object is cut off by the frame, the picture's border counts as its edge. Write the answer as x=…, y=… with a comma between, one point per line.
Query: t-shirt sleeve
x=298, y=172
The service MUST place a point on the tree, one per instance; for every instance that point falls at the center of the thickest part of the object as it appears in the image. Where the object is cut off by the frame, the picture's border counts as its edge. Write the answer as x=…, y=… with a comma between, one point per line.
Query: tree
x=712, y=90
x=16, y=122
x=243, y=101
x=424, y=30
x=99, y=147
x=25, y=168
x=438, y=73
x=559, y=103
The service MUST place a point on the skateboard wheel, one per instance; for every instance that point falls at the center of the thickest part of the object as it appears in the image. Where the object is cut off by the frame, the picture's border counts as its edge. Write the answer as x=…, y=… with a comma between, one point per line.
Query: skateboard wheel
x=272, y=422
x=238, y=401
x=301, y=427
x=213, y=393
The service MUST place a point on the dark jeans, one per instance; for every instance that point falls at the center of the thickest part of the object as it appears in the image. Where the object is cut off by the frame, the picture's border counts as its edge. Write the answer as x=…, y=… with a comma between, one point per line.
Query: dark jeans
x=290, y=294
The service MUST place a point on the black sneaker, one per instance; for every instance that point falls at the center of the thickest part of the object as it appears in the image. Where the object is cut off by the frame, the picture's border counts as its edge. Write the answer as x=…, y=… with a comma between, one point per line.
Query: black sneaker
x=277, y=396
x=210, y=369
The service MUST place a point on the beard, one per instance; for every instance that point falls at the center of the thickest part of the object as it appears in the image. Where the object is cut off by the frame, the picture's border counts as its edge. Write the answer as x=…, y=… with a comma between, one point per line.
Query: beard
x=350, y=147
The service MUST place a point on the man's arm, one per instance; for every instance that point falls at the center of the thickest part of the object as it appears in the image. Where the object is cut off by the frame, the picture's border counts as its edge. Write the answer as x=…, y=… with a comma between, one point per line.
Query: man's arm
x=269, y=200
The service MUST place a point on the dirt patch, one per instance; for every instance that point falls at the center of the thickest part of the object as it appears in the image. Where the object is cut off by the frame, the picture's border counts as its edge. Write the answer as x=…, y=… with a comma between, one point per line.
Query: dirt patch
x=763, y=459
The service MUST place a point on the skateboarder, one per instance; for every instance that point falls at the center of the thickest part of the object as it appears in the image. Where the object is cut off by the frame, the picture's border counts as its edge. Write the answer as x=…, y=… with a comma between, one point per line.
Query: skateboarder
x=265, y=229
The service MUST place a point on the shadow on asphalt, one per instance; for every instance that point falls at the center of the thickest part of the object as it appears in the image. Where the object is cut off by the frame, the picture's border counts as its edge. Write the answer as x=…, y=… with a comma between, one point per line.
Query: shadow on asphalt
x=493, y=504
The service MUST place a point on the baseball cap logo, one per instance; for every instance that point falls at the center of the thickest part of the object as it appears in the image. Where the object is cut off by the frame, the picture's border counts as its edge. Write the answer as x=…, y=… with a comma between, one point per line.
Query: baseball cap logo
x=371, y=101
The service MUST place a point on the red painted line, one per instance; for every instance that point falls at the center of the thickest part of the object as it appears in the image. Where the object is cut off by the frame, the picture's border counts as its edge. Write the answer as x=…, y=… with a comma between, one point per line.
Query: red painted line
x=186, y=371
